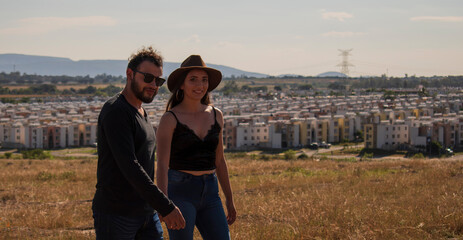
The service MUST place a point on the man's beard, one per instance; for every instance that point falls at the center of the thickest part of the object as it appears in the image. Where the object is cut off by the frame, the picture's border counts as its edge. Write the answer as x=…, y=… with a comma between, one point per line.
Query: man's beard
x=139, y=94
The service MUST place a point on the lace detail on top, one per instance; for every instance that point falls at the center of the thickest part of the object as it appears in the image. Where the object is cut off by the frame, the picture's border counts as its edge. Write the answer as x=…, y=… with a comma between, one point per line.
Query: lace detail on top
x=189, y=152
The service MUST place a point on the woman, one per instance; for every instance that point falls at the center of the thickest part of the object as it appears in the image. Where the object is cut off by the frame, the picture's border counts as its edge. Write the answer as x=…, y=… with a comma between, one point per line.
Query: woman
x=190, y=153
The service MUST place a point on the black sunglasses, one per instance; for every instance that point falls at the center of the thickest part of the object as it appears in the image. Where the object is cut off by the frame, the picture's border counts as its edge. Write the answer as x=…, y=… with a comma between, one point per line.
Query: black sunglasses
x=148, y=78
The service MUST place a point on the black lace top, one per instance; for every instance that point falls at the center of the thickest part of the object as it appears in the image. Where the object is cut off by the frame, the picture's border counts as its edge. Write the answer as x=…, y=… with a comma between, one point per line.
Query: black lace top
x=189, y=152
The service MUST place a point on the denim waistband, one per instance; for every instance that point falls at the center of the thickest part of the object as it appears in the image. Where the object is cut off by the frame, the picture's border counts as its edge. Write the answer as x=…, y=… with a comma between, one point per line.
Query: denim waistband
x=191, y=176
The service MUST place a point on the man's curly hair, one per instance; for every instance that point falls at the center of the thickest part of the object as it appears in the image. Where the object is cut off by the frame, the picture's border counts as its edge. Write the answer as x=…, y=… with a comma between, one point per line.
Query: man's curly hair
x=145, y=54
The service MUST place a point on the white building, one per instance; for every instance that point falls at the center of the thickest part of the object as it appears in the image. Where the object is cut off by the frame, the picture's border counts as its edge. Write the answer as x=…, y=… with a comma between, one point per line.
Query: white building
x=420, y=132
x=34, y=136
x=252, y=135
x=392, y=136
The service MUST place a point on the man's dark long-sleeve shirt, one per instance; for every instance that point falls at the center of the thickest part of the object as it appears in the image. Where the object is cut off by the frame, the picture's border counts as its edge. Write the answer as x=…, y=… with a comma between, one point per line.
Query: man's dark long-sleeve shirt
x=125, y=174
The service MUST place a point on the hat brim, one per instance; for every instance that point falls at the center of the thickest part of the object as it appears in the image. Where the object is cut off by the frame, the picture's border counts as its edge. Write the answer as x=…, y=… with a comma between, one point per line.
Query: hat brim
x=214, y=76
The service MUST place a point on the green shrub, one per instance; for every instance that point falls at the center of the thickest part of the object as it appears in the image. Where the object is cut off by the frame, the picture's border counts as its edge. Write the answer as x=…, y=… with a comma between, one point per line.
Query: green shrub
x=418, y=156
x=36, y=154
x=290, y=154
x=348, y=159
x=45, y=176
x=303, y=156
x=8, y=155
x=71, y=175
x=235, y=155
x=253, y=156
x=367, y=156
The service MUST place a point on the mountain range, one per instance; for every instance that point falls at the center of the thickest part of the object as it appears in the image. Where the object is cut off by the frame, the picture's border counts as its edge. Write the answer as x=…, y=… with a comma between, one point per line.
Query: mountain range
x=55, y=66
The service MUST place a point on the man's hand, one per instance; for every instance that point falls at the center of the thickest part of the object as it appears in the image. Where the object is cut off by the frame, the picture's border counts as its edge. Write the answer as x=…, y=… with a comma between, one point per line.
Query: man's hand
x=174, y=220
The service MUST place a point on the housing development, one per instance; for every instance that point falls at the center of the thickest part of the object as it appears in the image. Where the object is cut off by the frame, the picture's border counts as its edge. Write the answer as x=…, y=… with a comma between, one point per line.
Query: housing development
x=405, y=122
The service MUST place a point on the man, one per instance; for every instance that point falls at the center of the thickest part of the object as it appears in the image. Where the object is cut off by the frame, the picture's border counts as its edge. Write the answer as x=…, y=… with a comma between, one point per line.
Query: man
x=126, y=201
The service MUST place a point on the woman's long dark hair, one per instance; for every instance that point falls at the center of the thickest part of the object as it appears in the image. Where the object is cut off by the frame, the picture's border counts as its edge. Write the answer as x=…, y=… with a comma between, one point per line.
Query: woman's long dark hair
x=177, y=94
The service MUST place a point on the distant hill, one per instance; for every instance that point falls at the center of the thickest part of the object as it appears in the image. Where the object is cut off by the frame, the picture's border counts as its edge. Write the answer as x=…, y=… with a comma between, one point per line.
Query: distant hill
x=289, y=76
x=55, y=66
x=332, y=74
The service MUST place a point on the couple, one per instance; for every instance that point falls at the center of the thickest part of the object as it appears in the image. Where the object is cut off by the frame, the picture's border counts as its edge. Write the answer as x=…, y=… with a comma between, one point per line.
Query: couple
x=190, y=159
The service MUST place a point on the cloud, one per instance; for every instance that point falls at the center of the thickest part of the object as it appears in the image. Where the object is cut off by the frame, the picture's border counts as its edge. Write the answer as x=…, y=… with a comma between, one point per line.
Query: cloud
x=340, y=16
x=437, y=19
x=342, y=34
x=192, y=39
x=42, y=25
x=226, y=44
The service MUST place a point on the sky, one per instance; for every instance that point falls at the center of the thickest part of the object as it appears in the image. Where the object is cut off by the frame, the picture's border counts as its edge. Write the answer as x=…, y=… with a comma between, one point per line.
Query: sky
x=304, y=37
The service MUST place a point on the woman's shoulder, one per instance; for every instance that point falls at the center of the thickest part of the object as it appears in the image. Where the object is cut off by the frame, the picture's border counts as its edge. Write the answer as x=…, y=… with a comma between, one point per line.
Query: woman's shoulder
x=218, y=114
x=213, y=108
x=168, y=118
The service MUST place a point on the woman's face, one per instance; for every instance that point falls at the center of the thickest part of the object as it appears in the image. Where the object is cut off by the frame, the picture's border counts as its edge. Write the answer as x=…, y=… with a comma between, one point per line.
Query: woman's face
x=196, y=84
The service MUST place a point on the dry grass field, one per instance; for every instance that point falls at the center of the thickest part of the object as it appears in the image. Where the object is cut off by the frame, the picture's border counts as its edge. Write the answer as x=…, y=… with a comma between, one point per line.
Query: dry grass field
x=275, y=199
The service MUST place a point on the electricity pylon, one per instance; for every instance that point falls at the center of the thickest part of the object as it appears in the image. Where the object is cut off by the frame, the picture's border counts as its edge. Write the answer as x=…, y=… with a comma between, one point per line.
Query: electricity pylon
x=345, y=64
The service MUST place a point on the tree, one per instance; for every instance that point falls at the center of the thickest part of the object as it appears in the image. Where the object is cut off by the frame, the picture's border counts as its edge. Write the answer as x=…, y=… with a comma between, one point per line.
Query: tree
x=44, y=88
x=4, y=90
x=358, y=135
x=305, y=87
x=87, y=90
x=245, y=88
x=423, y=93
x=337, y=86
x=389, y=95
x=230, y=88
x=436, y=147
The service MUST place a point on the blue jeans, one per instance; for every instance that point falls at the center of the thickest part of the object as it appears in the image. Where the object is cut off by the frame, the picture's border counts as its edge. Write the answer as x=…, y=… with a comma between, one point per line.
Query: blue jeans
x=110, y=226
x=198, y=199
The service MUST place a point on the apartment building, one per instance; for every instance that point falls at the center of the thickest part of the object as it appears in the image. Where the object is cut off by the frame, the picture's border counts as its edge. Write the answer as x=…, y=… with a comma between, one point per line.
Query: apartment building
x=229, y=133
x=283, y=134
x=445, y=131
x=420, y=132
x=392, y=135
x=335, y=127
x=290, y=121
x=460, y=132
x=370, y=133
x=323, y=129
x=250, y=135
x=34, y=136
x=307, y=130
x=16, y=136
x=349, y=127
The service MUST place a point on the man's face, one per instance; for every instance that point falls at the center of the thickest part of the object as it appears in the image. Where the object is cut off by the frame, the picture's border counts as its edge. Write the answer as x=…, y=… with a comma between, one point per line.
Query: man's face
x=145, y=92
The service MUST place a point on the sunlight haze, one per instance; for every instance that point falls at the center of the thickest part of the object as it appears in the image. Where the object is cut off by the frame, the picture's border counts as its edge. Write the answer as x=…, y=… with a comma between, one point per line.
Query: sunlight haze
x=422, y=38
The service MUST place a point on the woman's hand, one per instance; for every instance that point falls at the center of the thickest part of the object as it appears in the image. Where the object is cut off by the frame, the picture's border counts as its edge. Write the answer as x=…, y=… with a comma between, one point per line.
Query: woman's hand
x=231, y=212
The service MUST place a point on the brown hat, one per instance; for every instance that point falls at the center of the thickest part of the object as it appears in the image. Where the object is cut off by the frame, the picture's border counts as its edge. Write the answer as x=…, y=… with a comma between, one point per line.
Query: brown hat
x=194, y=62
